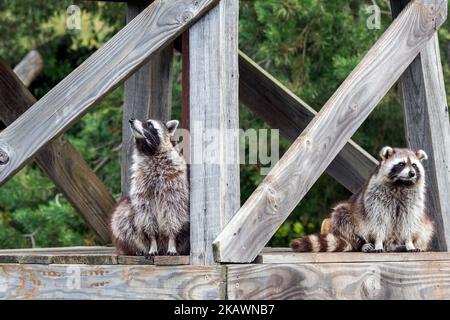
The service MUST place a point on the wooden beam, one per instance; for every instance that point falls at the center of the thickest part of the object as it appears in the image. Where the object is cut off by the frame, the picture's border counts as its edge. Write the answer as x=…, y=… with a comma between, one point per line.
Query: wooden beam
x=291, y=178
x=183, y=47
x=29, y=67
x=111, y=282
x=282, y=109
x=334, y=281
x=428, y=128
x=60, y=160
x=156, y=27
x=269, y=257
x=214, y=108
x=83, y=255
x=148, y=94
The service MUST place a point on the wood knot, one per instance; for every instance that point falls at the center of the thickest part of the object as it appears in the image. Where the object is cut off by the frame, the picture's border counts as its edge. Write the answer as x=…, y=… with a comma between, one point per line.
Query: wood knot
x=186, y=16
x=4, y=157
x=371, y=285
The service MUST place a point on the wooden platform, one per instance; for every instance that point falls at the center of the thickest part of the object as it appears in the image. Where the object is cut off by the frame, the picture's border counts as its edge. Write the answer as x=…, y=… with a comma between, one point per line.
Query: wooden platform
x=84, y=255
x=98, y=273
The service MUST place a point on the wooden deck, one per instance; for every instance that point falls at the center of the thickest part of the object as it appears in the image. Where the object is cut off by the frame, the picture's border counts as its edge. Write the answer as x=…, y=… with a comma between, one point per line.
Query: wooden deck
x=277, y=273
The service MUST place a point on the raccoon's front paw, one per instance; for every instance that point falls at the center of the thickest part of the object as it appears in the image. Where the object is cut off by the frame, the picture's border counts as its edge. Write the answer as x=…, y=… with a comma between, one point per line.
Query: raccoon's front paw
x=413, y=250
x=172, y=253
x=367, y=247
x=151, y=253
x=378, y=250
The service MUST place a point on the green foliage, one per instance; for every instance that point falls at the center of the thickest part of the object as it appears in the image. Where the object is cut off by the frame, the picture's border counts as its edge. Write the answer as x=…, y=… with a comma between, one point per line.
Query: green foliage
x=309, y=45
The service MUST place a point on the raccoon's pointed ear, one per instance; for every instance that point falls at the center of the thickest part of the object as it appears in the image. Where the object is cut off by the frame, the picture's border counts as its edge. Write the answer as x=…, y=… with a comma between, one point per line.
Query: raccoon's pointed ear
x=172, y=125
x=421, y=155
x=386, y=152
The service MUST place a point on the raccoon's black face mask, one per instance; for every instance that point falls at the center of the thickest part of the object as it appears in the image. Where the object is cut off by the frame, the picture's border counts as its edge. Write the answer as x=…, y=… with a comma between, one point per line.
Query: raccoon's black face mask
x=402, y=167
x=146, y=135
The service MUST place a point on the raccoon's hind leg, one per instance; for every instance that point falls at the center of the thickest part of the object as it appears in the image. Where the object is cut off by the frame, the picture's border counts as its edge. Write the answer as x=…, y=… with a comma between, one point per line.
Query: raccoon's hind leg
x=367, y=247
x=122, y=226
x=424, y=236
x=343, y=225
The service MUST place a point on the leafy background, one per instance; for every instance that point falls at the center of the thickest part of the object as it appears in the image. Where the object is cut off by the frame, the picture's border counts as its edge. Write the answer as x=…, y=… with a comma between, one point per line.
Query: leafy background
x=309, y=45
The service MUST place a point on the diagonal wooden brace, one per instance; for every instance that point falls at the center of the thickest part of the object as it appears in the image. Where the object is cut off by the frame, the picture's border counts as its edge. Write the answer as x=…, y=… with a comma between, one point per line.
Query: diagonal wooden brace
x=308, y=157
x=281, y=108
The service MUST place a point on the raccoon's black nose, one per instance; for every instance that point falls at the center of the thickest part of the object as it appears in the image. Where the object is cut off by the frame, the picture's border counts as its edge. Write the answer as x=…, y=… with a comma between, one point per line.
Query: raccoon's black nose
x=132, y=120
x=411, y=174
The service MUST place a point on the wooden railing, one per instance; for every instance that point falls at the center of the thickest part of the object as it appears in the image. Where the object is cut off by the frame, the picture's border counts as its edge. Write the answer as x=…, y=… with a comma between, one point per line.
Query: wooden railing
x=142, y=53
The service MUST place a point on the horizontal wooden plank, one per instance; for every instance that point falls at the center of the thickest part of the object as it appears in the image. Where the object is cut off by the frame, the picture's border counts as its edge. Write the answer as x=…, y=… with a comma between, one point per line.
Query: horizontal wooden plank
x=170, y=260
x=378, y=280
x=61, y=258
x=60, y=160
x=55, y=250
x=19, y=281
x=324, y=137
x=283, y=110
x=84, y=255
x=340, y=257
x=153, y=29
x=130, y=260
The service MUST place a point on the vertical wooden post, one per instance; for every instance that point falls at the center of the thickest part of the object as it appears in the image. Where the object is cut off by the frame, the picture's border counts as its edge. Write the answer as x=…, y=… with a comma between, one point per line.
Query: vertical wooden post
x=148, y=94
x=427, y=127
x=214, y=108
x=185, y=104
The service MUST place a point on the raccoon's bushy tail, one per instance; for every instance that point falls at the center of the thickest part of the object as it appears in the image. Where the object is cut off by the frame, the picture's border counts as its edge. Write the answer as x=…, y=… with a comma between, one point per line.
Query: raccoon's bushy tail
x=321, y=243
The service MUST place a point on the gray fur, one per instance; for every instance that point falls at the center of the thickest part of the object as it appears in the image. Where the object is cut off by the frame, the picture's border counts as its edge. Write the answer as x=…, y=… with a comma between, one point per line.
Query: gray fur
x=155, y=218
x=387, y=214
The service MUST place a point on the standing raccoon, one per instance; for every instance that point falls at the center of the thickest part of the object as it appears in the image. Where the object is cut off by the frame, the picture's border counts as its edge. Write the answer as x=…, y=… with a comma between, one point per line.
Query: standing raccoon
x=388, y=213
x=154, y=219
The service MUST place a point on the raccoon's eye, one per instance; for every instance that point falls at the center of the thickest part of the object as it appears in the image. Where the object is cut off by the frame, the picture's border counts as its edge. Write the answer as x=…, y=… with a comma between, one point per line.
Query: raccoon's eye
x=401, y=164
x=415, y=166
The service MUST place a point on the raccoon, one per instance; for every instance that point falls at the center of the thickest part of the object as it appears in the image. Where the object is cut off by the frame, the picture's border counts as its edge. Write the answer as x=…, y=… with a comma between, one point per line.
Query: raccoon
x=387, y=214
x=154, y=219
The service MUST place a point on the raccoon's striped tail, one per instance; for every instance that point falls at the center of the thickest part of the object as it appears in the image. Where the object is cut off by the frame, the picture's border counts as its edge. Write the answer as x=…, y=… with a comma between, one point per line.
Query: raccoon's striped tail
x=321, y=243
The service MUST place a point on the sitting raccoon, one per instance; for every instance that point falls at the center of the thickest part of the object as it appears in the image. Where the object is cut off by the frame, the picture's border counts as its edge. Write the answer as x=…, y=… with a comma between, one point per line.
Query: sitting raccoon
x=387, y=214
x=154, y=219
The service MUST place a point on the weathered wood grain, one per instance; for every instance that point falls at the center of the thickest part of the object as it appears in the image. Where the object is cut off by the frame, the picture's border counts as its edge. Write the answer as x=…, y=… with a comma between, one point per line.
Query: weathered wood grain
x=282, y=109
x=111, y=282
x=214, y=108
x=148, y=94
x=170, y=260
x=59, y=258
x=29, y=67
x=149, y=32
x=182, y=45
x=268, y=257
x=84, y=255
x=428, y=128
x=60, y=160
x=384, y=280
x=291, y=178
x=134, y=260
x=56, y=250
